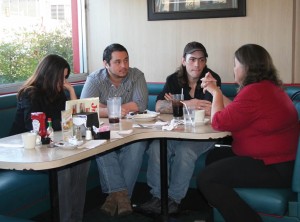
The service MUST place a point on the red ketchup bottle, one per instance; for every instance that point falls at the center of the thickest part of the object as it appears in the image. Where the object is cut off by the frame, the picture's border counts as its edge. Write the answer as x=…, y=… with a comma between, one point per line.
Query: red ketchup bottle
x=39, y=123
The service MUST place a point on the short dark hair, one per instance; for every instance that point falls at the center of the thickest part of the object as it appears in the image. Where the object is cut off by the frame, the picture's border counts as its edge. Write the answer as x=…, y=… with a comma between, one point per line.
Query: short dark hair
x=258, y=65
x=112, y=48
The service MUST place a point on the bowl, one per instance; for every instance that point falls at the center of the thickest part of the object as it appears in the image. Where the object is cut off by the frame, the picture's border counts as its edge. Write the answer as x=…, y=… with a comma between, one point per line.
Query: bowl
x=144, y=117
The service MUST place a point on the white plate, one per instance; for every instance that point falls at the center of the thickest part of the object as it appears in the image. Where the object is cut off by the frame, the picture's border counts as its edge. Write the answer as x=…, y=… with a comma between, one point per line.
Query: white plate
x=206, y=120
x=144, y=117
x=131, y=115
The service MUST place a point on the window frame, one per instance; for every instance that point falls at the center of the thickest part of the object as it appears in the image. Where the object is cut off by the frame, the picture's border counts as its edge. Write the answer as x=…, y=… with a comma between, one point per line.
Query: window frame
x=79, y=42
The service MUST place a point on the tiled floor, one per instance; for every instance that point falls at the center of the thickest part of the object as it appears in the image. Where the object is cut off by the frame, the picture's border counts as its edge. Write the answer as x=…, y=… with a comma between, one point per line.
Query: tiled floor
x=193, y=208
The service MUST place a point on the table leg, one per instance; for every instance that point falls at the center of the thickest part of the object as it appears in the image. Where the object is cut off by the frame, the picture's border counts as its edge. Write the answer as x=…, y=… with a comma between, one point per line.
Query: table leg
x=54, y=201
x=164, y=179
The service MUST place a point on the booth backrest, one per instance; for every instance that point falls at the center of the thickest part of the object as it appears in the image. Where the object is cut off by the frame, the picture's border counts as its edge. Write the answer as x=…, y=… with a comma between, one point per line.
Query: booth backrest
x=296, y=177
x=8, y=107
x=153, y=89
x=8, y=103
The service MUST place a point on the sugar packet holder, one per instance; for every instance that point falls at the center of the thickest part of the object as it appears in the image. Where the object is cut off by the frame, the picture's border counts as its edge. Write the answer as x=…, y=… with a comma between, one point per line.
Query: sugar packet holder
x=103, y=132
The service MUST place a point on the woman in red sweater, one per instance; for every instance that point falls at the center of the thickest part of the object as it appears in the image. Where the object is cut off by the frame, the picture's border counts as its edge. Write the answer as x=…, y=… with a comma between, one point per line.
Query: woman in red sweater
x=264, y=126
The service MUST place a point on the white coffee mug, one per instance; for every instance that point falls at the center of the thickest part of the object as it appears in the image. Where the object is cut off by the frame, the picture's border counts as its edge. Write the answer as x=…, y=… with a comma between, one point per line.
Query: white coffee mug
x=199, y=115
x=29, y=140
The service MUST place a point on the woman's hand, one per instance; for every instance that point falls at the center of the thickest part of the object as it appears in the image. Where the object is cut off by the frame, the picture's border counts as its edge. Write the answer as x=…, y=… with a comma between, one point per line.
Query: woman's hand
x=71, y=90
x=209, y=83
x=67, y=85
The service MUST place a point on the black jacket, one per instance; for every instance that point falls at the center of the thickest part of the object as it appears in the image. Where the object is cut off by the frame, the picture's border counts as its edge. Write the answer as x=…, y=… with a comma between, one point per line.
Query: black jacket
x=173, y=86
x=25, y=107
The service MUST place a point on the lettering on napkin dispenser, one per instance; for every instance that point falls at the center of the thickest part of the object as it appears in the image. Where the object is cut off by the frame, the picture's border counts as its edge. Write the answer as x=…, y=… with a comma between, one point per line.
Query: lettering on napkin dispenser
x=86, y=119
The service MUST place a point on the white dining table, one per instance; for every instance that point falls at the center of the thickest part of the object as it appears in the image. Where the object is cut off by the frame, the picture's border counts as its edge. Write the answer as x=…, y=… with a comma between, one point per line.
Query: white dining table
x=15, y=157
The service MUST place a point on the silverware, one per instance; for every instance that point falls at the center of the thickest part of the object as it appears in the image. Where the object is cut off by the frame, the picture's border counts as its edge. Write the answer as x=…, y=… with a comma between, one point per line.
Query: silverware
x=143, y=126
x=161, y=120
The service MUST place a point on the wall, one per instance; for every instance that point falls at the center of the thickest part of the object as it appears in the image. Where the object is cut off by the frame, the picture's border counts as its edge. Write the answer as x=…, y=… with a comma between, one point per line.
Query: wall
x=156, y=46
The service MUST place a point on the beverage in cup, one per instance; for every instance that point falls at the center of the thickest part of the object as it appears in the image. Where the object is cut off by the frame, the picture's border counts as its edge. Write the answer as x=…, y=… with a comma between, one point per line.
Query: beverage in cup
x=114, y=109
x=177, y=106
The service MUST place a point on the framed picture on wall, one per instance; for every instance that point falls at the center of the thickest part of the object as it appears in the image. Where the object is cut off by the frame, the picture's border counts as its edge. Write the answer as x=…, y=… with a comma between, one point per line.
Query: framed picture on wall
x=194, y=9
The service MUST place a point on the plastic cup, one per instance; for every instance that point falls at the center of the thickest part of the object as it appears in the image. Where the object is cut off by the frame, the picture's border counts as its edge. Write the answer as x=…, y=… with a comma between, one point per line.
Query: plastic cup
x=188, y=115
x=114, y=109
x=177, y=106
x=29, y=140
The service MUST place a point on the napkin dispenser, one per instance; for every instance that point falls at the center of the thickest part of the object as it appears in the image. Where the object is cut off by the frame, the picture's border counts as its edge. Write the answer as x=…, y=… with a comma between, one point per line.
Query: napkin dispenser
x=84, y=120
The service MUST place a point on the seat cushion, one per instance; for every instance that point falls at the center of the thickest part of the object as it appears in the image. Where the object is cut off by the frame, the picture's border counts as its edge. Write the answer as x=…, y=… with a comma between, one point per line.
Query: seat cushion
x=23, y=194
x=268, y=201
x=13, y=219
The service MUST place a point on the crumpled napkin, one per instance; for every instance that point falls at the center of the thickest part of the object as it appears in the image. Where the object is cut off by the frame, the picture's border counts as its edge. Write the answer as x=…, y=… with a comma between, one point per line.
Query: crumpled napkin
x=172, y=125
x=118, y=134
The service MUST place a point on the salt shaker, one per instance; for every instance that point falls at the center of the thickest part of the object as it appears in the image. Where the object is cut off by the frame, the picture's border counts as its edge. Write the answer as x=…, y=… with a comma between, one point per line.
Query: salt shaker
x=88, y=134
x=78, y=133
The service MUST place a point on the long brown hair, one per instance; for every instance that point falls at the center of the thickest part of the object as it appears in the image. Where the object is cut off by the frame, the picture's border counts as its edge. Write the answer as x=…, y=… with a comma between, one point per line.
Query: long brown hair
x=258, y=65
x=48, y=78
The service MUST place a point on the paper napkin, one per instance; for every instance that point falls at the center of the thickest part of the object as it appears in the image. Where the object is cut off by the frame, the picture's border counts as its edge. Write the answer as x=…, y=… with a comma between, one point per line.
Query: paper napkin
x=172, y=125
x=92, y=144
x=11, y=145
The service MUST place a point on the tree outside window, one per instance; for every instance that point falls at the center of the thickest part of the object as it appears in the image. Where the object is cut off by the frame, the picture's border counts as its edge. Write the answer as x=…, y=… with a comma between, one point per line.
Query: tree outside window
x=29, y=30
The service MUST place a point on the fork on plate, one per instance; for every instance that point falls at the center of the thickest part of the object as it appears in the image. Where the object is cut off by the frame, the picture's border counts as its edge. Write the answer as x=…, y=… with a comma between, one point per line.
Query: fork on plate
x=143, y=126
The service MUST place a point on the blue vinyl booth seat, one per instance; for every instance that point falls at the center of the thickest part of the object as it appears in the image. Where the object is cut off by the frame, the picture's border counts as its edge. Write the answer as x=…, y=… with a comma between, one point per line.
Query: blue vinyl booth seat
x=274, y=205
x=25, y=194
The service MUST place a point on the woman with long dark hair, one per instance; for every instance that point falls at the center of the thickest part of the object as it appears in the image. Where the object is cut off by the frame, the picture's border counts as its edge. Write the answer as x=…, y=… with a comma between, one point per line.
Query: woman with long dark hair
x=44, y=92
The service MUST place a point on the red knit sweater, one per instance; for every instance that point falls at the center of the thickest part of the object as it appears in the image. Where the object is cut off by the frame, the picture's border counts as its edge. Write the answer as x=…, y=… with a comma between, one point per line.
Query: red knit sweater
x=263, y=122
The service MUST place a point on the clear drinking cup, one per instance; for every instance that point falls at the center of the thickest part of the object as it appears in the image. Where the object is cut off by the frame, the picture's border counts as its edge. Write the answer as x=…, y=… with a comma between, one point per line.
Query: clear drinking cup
x=188, y=115
x=114, y=109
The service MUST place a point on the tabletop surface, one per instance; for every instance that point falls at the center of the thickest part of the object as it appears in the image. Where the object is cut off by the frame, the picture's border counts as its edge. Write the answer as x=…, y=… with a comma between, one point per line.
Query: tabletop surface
x=42, y=157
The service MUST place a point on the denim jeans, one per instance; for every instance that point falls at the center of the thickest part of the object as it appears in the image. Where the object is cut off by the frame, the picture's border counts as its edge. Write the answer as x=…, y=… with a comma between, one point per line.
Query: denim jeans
x=72, y=189
x=118, y=169
x=182, y=155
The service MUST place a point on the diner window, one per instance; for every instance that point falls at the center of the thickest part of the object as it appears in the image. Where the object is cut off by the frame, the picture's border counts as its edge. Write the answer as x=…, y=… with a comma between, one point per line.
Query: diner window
x=31, y=29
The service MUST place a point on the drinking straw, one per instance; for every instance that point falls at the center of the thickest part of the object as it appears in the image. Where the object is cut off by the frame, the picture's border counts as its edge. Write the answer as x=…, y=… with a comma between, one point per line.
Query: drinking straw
x=185, y=107
x=182, y=97
x=188, y=112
